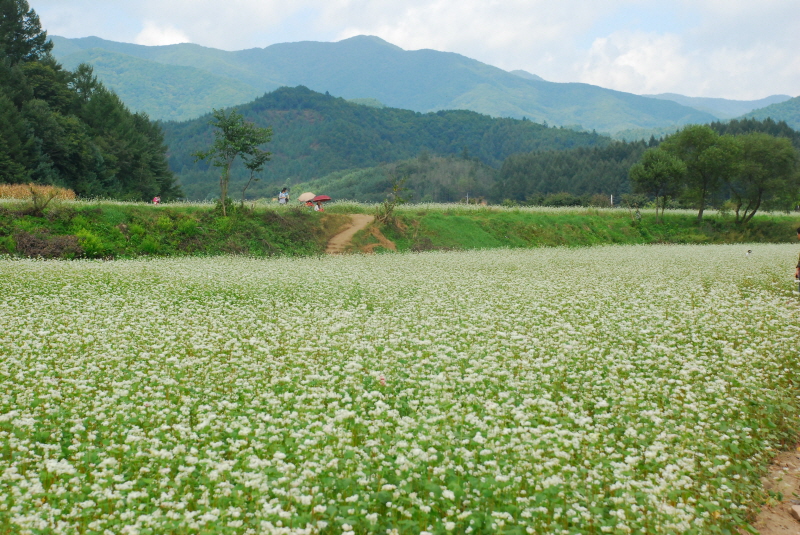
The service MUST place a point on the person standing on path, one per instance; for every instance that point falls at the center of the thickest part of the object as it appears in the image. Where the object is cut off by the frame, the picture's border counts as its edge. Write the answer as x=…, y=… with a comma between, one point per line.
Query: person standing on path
x=283, y=196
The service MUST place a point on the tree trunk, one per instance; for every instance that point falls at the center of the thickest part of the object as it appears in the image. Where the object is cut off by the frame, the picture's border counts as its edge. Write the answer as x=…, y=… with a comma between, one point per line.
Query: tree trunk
x=223, y=187
x=662, y=210
x=749, y=216
x=247, y=186
x=702, y=207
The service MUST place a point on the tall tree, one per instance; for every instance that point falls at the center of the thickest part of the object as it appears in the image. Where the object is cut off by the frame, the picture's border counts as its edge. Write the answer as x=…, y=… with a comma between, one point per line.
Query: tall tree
x=710, y=160
x=659, y=175
x=767, y=173
x=66, y=129
x=233, y=138
x=15, y=145
x=21, y=36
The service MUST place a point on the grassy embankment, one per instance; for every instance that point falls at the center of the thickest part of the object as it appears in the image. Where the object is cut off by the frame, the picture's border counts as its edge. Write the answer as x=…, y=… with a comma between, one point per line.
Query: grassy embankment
x=119, y=230
x=443, y=228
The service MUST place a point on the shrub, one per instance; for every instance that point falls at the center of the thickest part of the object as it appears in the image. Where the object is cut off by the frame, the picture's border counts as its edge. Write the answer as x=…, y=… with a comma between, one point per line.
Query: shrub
x=7, y=245
x=91, y=244
x=150, y=245
x=42, y=245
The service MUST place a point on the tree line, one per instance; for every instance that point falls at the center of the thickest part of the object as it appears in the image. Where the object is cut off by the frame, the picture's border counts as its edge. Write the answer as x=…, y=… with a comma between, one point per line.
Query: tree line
x=64, y=128
x=587, y=176
x=748, y=170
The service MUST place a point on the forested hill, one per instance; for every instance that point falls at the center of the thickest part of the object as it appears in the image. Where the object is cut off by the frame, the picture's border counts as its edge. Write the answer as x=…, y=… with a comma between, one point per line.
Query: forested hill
x=788, y=111
x=316, y=134
x=366, y=67
x=65, y=128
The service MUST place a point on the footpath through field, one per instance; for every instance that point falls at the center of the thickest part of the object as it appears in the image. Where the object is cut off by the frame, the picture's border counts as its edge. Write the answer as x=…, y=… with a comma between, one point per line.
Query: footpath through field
x=339, y=243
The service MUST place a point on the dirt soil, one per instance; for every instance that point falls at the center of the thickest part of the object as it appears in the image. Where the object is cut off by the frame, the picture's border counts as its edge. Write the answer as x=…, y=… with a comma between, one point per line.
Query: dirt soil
x=383, y=241
x=338, y=244
x=783, y=478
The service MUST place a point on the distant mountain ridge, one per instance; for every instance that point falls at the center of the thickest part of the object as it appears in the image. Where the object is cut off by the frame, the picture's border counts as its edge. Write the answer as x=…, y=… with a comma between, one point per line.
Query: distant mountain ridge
x=527, y=75
x=165, y=92
x=720, y=107
x=367, y=67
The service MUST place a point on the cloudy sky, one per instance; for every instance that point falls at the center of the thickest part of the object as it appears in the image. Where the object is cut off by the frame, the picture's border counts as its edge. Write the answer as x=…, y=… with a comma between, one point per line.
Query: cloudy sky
x=738, y=49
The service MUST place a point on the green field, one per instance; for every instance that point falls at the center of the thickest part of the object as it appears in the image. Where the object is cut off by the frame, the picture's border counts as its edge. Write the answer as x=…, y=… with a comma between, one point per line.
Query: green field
x=619, y=389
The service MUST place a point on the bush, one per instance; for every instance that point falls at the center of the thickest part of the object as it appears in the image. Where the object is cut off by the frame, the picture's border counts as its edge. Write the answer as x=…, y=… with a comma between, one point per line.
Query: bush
x=42, y=245
x=188, y=227
x=7, y=245
x=91, y=244
x=150, y=245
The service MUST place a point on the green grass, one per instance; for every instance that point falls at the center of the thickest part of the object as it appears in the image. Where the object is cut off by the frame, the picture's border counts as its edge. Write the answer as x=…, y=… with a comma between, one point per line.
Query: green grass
x=125, y=230
x=454, y=228
x=119, y=230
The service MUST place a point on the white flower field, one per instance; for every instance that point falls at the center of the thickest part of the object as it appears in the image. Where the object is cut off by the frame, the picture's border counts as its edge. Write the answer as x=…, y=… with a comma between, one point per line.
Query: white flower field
x=606, y=390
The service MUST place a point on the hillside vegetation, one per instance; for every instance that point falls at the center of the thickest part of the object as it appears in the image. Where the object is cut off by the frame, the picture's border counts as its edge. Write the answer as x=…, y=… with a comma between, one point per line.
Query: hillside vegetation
x=368, y=67
x=788, y=111
x=316, y=134
x=580, y=175
x=124, y=230
x=424, y=179
x=524, y=178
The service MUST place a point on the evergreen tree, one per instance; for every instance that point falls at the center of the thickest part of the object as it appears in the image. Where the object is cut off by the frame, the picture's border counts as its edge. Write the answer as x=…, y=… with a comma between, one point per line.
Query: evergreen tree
x=21, y=36
x=66, y=129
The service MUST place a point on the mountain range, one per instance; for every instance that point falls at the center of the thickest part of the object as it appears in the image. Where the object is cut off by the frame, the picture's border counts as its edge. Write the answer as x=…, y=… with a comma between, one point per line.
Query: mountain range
x=179, y=82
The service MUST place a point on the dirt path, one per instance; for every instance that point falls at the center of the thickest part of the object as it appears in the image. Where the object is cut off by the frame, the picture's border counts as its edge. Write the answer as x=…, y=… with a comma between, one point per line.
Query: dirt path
x=339, y=243
x=783, y=482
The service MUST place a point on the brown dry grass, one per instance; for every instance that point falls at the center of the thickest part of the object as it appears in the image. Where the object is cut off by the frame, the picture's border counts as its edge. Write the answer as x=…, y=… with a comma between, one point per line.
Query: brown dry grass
x=26, y=191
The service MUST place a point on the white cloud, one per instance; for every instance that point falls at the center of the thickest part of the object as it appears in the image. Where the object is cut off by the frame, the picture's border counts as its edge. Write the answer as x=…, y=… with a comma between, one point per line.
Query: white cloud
x=640, y=62
x=636, y=62
x=155, y=34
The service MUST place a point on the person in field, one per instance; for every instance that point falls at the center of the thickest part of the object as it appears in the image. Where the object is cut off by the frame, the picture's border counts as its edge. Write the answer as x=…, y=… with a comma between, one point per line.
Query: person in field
x=283, y=196
x=318, y=207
